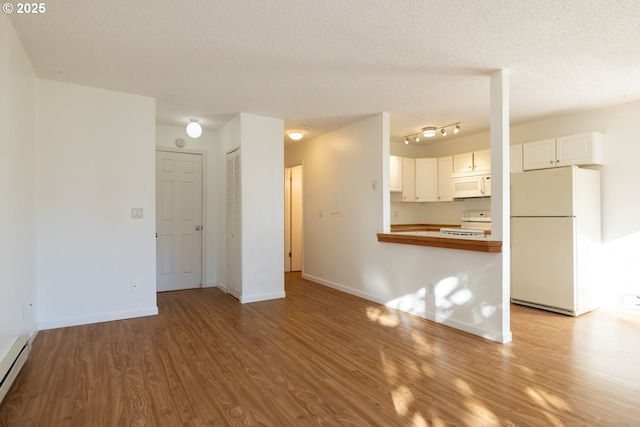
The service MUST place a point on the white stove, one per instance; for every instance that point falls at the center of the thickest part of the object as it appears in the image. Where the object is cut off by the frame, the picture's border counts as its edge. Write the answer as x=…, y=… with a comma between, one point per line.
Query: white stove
x=472, y=224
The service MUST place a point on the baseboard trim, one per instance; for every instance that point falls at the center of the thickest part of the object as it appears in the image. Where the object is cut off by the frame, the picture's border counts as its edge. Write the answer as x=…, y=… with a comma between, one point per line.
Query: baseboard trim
x=346, y=289
x=98, y=318
x=261, y=297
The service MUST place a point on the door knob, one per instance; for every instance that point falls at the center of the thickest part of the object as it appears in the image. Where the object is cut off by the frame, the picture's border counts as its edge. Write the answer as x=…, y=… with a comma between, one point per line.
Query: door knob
x=198, y=228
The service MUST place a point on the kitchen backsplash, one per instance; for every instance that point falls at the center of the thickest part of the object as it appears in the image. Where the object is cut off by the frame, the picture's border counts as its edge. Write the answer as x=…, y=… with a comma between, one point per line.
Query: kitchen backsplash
x=435, y=213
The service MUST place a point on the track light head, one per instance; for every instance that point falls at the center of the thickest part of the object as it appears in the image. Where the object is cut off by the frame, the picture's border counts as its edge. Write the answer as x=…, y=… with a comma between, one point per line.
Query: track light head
x=406, y=140
x=443, y=132
x=457, y=129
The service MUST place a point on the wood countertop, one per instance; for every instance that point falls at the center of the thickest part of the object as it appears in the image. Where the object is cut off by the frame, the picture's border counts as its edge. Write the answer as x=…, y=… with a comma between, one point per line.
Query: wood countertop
x=427, y=235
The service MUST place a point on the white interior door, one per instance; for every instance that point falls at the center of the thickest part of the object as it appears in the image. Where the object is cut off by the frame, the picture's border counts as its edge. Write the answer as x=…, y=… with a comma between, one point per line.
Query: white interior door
x=178, y=221
x=293, y=219
x=234, y=225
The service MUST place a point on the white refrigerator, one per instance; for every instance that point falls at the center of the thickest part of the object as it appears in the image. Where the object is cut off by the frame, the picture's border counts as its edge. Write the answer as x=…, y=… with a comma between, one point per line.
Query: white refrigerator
x=555, y=235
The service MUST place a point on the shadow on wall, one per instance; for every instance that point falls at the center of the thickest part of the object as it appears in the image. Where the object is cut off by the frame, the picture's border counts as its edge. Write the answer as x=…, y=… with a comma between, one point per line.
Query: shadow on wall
x=449, y=300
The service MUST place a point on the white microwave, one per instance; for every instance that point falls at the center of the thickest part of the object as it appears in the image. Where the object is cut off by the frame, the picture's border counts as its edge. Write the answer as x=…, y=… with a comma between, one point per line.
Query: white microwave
x=471, y=186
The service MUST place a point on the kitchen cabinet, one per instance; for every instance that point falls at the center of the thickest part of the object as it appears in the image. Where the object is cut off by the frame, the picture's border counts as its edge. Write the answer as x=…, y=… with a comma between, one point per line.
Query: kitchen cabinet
x=427, y=180
x=445, y=172
x=395, y=173
x=472, y=162
x=515, y=158
x=580, y=149
x=408, y=180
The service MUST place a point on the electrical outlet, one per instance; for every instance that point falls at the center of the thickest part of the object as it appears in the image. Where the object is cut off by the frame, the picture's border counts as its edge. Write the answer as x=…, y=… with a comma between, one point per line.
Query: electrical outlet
x=632, y=301
x=134, y=286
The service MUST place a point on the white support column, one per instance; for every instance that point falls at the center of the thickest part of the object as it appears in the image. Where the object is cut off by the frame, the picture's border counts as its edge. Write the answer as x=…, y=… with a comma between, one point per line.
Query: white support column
x=500, y=185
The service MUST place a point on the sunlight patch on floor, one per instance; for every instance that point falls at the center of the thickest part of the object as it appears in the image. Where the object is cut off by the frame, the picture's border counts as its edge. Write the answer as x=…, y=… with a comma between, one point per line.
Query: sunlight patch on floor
x=389, y=320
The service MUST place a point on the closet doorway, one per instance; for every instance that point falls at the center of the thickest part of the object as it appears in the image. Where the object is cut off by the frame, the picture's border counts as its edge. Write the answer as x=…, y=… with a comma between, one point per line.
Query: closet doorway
x=293, y=219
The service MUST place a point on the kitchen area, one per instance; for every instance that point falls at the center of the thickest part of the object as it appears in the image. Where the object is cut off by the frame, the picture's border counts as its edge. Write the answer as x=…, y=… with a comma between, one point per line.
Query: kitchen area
x=555, y=214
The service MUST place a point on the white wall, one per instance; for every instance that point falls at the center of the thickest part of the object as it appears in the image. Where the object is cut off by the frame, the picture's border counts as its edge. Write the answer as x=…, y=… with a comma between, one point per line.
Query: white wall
x=96, y=161
x=342, y=251
x=262, y=183
x=17, y=189
x=260, y=140
x=207, y=145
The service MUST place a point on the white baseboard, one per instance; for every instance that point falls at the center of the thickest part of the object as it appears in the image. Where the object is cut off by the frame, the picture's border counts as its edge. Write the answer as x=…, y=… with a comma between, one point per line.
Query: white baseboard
x=97, y=318
x=261, y=297
x=222, y=287
x=345, y=289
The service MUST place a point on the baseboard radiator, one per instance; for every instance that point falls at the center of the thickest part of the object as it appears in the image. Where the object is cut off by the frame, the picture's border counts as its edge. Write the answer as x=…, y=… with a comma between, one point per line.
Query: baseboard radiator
x=11, y=364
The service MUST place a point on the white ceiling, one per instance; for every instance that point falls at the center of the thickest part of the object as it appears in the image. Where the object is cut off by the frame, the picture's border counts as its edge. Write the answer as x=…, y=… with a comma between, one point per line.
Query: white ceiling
x=321, y=64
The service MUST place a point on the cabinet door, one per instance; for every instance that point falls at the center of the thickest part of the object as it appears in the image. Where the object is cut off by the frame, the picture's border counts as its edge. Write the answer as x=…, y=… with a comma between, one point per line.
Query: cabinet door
x=445, y=187
x=408, y=180
x=539, y=154
x=482, y=160
x=395, y=173
x=462, y=162
x=427, y=180
x=515, y=158
x=578, y=149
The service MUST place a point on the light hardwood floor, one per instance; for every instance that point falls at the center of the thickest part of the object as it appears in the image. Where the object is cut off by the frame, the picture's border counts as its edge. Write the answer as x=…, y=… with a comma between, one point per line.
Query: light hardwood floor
x=321, y=357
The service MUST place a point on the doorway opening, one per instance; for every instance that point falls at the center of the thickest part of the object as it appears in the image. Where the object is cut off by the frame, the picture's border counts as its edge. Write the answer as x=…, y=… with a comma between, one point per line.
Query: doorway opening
x=293, y=219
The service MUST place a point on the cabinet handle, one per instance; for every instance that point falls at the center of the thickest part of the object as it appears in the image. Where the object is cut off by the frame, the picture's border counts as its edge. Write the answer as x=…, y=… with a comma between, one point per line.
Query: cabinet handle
x=551, y=162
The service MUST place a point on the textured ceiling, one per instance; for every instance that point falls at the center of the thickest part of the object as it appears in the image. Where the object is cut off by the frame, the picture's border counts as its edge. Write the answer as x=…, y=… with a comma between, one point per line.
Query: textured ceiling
x=322, y=64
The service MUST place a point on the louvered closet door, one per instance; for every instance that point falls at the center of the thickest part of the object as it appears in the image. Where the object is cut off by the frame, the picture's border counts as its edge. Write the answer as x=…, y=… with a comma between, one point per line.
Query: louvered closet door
x=234, y=225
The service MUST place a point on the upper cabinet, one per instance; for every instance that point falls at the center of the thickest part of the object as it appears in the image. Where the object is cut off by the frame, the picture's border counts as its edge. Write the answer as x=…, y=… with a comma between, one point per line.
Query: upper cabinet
x=421, y=180
x=472, y=162
x=408, y=180
x=427, y=180
x=445, y=171
x=395, y=173
x=581, y=149
x=515, y=158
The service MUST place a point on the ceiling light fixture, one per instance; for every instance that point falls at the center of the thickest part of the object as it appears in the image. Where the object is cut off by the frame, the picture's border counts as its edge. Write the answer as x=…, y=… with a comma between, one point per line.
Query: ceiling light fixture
x=194, y=130
x=428, y=132
x=431, y=131
x=296, y=135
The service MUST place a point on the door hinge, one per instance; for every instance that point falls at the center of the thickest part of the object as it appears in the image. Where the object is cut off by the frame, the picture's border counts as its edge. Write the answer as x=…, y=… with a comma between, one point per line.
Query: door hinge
x=289, y=254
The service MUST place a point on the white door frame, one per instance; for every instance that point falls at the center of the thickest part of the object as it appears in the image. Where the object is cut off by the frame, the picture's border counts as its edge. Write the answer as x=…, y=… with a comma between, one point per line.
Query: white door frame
x=301, y=217
x=205, y=228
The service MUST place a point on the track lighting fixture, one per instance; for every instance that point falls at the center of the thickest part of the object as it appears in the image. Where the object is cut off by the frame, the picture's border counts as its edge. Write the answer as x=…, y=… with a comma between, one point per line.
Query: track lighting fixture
x=431, y=131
